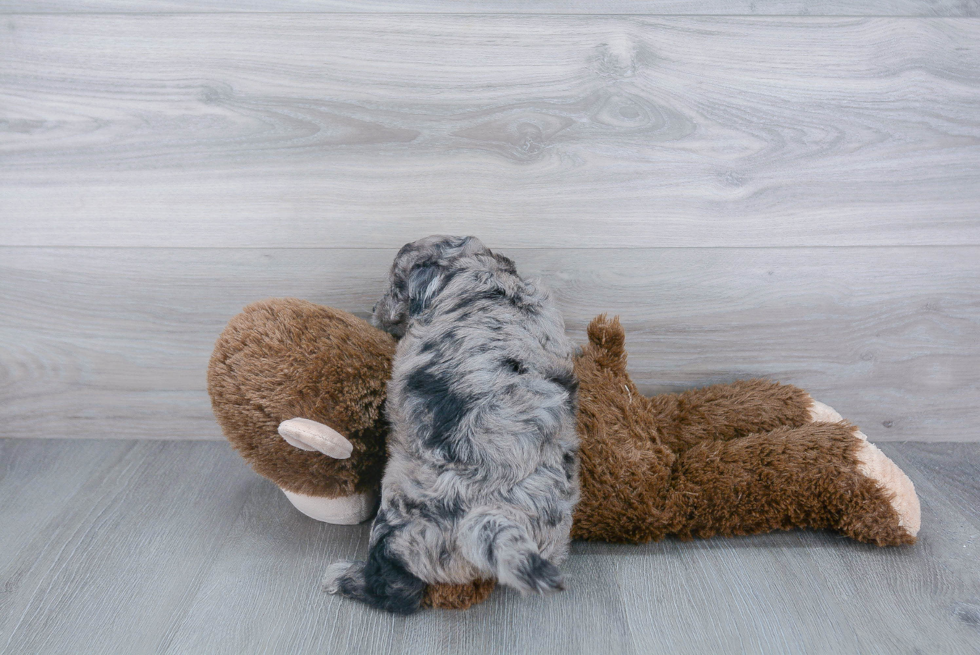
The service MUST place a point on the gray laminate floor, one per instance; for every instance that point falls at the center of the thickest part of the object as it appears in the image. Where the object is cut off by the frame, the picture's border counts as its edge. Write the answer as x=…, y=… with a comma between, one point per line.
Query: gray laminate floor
x=118, y=546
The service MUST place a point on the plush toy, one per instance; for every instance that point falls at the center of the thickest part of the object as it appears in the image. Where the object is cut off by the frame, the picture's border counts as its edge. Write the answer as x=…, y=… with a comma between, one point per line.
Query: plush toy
x=299, y=391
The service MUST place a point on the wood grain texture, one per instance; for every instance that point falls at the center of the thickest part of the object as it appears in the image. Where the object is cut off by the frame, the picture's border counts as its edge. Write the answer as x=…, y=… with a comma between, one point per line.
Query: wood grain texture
x=115, y=342
x=111, y=540
x=951, y=469
x=790, y=592
x=650, y=7
x=137, y=547
x=537, y=131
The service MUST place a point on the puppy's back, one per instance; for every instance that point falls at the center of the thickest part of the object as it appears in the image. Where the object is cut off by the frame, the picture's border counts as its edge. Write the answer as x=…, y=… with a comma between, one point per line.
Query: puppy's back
x=482, y=474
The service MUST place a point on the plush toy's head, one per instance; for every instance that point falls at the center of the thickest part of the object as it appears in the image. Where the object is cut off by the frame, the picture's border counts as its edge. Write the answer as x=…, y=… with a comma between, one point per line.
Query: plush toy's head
x=282, y=359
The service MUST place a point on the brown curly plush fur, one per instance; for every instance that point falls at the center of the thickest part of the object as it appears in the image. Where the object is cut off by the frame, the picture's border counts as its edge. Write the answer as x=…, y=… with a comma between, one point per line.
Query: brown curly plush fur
x=732, y=459
x=457, y=597
x=287, y=358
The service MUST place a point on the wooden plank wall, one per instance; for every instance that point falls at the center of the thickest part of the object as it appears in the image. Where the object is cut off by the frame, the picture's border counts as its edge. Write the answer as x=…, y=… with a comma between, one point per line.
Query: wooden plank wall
x=793, y=194
x=894, y=8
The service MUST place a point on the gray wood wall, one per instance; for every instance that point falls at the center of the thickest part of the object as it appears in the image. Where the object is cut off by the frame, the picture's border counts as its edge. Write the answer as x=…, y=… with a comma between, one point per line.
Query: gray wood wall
x=789, y=190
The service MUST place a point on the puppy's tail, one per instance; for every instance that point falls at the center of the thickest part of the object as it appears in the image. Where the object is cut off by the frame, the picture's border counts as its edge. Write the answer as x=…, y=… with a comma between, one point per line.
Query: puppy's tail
x=382, y=582
x=495, y=543
x=529, y=572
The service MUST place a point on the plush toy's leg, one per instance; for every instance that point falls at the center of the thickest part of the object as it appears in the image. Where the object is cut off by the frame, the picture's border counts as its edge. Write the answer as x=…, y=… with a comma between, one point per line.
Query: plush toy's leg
x=820, y=475
x=457, y=596
x=727, y=411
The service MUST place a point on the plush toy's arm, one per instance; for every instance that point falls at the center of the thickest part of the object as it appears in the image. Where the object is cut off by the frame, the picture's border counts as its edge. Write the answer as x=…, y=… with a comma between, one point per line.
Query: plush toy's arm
x=821, y=475
x=681, y=420
x=727, y=411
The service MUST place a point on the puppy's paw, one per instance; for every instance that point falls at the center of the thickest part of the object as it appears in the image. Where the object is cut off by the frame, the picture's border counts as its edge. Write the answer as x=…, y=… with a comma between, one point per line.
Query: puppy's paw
x=338, y=574
x=537, y=575
x=821, y=413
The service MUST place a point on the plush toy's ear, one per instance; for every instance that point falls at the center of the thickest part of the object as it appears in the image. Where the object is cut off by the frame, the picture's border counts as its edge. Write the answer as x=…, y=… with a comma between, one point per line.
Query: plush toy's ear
x=309, y=435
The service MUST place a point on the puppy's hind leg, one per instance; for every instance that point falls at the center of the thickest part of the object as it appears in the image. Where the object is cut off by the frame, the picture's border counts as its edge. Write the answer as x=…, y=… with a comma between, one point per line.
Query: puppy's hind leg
x=346, y=579
x=502, y=546
x=383, y=582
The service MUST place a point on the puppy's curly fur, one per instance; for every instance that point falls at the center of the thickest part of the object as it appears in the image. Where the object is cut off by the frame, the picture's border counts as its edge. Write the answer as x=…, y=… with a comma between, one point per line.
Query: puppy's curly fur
x=482, y=474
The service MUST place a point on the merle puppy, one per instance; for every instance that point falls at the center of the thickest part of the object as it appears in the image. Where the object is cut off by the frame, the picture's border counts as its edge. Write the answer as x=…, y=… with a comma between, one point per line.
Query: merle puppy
x=482, y=474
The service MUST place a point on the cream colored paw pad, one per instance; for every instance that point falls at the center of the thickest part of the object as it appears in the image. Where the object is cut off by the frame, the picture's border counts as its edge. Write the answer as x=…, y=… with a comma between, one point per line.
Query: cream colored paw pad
x=821, y=413
x=874, y=464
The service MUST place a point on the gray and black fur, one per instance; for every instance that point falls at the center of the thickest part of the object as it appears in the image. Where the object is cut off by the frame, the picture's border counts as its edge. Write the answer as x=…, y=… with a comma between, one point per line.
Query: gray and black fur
x=482, y=475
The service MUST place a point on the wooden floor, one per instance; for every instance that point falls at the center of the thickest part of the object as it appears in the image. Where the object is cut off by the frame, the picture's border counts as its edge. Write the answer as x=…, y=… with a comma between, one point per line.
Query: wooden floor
x=129, y=547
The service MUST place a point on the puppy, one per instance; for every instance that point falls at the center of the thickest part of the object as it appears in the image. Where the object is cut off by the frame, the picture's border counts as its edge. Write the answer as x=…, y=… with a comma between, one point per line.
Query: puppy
x=482, y=475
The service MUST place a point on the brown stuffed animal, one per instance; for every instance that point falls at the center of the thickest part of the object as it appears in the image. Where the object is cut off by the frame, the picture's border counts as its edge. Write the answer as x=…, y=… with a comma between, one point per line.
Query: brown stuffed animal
x=299, y=388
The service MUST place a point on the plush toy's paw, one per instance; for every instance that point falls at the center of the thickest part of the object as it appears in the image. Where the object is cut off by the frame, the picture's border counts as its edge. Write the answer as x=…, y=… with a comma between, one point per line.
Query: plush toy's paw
x=346, y=510
x=821, y=413
x=309, y=435
x=892, y=480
